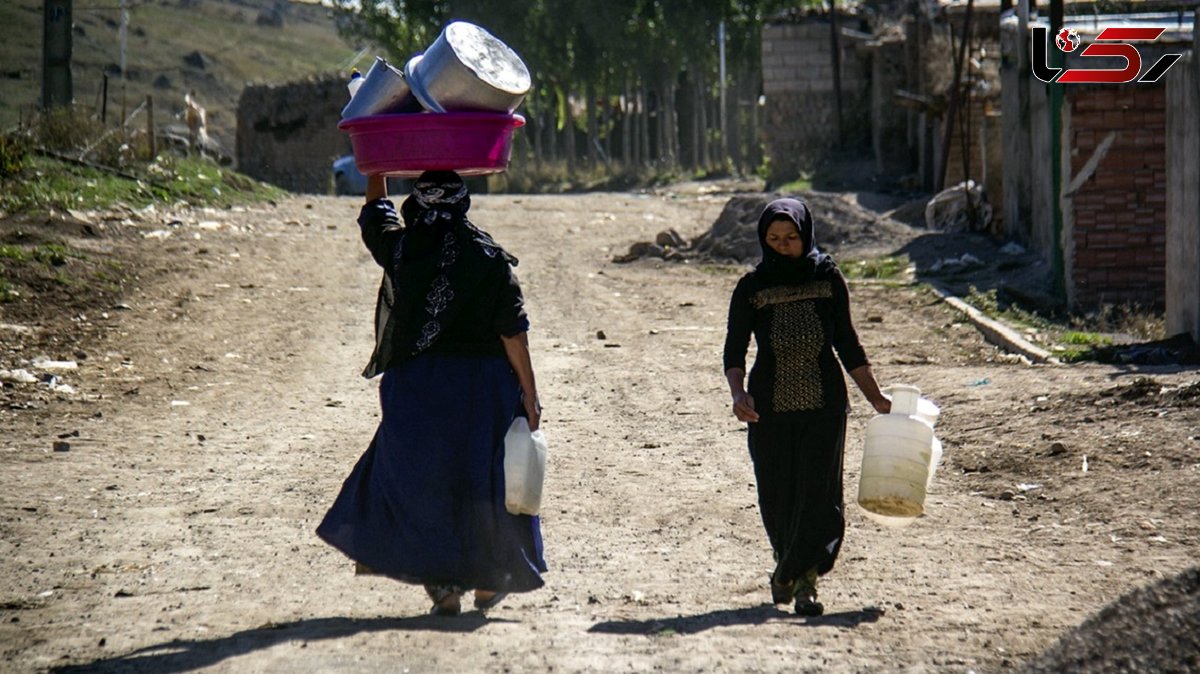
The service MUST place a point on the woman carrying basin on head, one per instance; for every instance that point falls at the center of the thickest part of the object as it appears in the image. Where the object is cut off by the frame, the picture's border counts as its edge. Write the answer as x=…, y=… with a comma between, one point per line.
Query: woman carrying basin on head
x=425, y=503
x=797, y=306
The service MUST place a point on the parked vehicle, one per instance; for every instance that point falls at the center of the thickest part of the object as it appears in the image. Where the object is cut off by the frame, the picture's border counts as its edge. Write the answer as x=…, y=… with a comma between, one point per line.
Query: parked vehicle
x=346, y=177
x=348, y=180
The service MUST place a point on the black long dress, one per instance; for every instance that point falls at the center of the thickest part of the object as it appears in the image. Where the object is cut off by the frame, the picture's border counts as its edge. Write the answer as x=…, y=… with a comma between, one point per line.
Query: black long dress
x=425, y=503
x=799, y=313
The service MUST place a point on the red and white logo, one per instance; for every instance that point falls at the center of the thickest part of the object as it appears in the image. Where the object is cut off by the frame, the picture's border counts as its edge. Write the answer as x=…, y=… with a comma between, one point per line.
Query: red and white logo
x=1111, y=42
x=1067, y=40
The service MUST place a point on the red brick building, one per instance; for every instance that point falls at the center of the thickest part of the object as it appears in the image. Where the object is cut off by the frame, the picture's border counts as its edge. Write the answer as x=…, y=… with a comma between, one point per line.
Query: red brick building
x=1115, y=197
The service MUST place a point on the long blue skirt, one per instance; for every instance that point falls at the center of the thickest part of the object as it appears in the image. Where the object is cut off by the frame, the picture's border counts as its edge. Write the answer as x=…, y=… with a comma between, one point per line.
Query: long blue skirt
x=425, y=503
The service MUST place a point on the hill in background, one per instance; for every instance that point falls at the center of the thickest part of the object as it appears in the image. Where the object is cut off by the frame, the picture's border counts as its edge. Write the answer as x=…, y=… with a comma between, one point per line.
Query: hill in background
x=212, y=47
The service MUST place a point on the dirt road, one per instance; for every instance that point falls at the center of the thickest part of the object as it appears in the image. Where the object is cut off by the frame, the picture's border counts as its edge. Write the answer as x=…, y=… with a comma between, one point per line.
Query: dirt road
x=218, y=412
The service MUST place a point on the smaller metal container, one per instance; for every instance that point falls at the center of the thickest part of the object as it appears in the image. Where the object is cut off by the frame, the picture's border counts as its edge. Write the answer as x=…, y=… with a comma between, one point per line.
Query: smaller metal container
x=383, y=90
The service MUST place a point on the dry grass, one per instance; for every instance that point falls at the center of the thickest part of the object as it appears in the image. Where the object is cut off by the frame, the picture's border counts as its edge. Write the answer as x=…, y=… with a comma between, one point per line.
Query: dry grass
x=161, y=35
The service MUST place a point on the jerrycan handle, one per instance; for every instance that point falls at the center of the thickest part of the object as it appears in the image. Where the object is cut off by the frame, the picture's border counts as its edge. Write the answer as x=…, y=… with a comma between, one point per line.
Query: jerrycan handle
x=905, y=399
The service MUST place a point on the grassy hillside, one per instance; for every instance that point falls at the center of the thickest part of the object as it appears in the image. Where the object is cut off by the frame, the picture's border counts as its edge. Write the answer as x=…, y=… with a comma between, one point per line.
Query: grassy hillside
x=234, y=48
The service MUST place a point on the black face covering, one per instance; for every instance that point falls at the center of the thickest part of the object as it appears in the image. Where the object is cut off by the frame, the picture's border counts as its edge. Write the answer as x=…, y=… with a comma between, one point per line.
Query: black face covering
x=811, y=264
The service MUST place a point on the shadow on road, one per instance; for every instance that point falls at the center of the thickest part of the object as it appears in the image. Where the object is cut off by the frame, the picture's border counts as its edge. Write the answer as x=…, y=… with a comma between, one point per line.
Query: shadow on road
x=756, y=615
x=183, y=655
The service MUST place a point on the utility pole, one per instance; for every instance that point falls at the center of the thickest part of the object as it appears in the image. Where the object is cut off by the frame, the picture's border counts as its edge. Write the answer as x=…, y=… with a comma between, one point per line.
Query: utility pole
x=153, y=149
x=57, y=23
x=123, y=32
x=1058, y=260
x=724, y=112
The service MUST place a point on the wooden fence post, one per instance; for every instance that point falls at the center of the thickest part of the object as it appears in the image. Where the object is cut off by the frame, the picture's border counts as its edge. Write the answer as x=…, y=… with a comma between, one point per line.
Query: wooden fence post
x=150, y=126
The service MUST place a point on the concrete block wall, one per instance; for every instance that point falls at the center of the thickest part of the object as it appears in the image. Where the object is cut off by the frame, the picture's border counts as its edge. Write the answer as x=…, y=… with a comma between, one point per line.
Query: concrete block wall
x=1016, y=204
x=890, y=126
x=287, y=135
x=1115, y=196
x=800, y=125
x=1183, y=196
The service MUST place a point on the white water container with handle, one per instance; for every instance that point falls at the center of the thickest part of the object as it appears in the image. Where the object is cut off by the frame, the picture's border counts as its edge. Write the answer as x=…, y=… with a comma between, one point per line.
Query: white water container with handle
x=897, y=455
x=524, y=468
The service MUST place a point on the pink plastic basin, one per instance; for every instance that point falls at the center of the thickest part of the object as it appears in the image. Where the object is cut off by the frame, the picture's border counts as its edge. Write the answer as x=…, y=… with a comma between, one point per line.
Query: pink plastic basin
x=405, y=145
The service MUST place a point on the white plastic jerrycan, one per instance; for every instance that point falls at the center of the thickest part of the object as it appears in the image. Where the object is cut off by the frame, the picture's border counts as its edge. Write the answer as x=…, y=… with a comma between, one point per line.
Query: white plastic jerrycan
x=898, y=459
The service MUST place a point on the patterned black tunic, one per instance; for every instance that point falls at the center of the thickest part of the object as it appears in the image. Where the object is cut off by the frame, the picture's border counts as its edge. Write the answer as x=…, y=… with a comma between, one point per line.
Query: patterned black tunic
x=796, y=327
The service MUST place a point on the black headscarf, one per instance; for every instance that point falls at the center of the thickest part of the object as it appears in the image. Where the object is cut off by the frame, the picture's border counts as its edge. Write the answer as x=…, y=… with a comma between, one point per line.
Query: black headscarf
x=811, y=265
x=441, y=259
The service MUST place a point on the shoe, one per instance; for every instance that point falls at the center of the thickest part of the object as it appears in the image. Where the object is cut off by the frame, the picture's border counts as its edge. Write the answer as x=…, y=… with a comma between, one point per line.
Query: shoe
x=447, y=601
x=447, y=609
x=806, y=595
x=490, y=602
x=782, y=593
x=809, y=606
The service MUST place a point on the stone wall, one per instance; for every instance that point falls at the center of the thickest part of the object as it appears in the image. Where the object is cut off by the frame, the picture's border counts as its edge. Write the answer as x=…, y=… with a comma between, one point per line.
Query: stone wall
x=287, y=135
x=800, y=123
x=1115, y=194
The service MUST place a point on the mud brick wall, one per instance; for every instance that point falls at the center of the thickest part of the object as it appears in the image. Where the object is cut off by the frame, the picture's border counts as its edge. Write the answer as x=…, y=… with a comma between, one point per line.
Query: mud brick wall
x=1115, y=218
x=287, y=135
x=800, y=120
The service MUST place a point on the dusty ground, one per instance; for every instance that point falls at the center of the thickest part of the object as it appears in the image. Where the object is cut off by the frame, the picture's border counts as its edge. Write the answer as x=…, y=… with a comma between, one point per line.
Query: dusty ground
x=219, y=409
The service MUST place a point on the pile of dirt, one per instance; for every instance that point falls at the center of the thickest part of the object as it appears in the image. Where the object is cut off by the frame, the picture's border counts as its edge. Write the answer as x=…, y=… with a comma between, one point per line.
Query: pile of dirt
x=1178, y=350
x=1152, y=629
x=847, y=224
x=1150, y=392
x=843, y=225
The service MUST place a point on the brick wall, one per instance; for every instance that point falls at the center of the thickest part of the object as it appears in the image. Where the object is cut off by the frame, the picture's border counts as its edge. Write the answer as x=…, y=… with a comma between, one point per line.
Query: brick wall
x=1116, y=219
x=800, y=124
x=287, y=135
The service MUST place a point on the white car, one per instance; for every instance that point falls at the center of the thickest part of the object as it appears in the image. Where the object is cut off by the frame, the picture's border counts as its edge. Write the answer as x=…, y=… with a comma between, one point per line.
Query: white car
x=348, y=180
x=346, y=177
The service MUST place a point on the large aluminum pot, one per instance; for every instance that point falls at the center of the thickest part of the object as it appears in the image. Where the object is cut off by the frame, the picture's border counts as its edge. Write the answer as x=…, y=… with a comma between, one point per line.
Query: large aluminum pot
x=383, y=90
x=468, y=68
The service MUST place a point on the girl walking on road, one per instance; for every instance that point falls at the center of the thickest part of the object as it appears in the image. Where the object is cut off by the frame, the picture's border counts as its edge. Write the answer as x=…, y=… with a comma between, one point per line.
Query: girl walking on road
x=797, y=306
x=425, y=503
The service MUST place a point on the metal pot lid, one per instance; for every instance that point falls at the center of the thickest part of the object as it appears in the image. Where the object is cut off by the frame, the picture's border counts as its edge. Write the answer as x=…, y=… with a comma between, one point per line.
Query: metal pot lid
x=492, y=61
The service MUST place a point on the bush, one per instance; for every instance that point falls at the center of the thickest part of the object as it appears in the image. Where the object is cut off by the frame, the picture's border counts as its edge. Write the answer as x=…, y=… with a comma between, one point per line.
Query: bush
x=73, y=131
x=14, y=155
x=65, y=129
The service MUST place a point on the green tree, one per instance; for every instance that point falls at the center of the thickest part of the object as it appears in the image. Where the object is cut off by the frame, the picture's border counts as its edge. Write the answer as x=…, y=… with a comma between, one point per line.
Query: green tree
x=625, y=61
